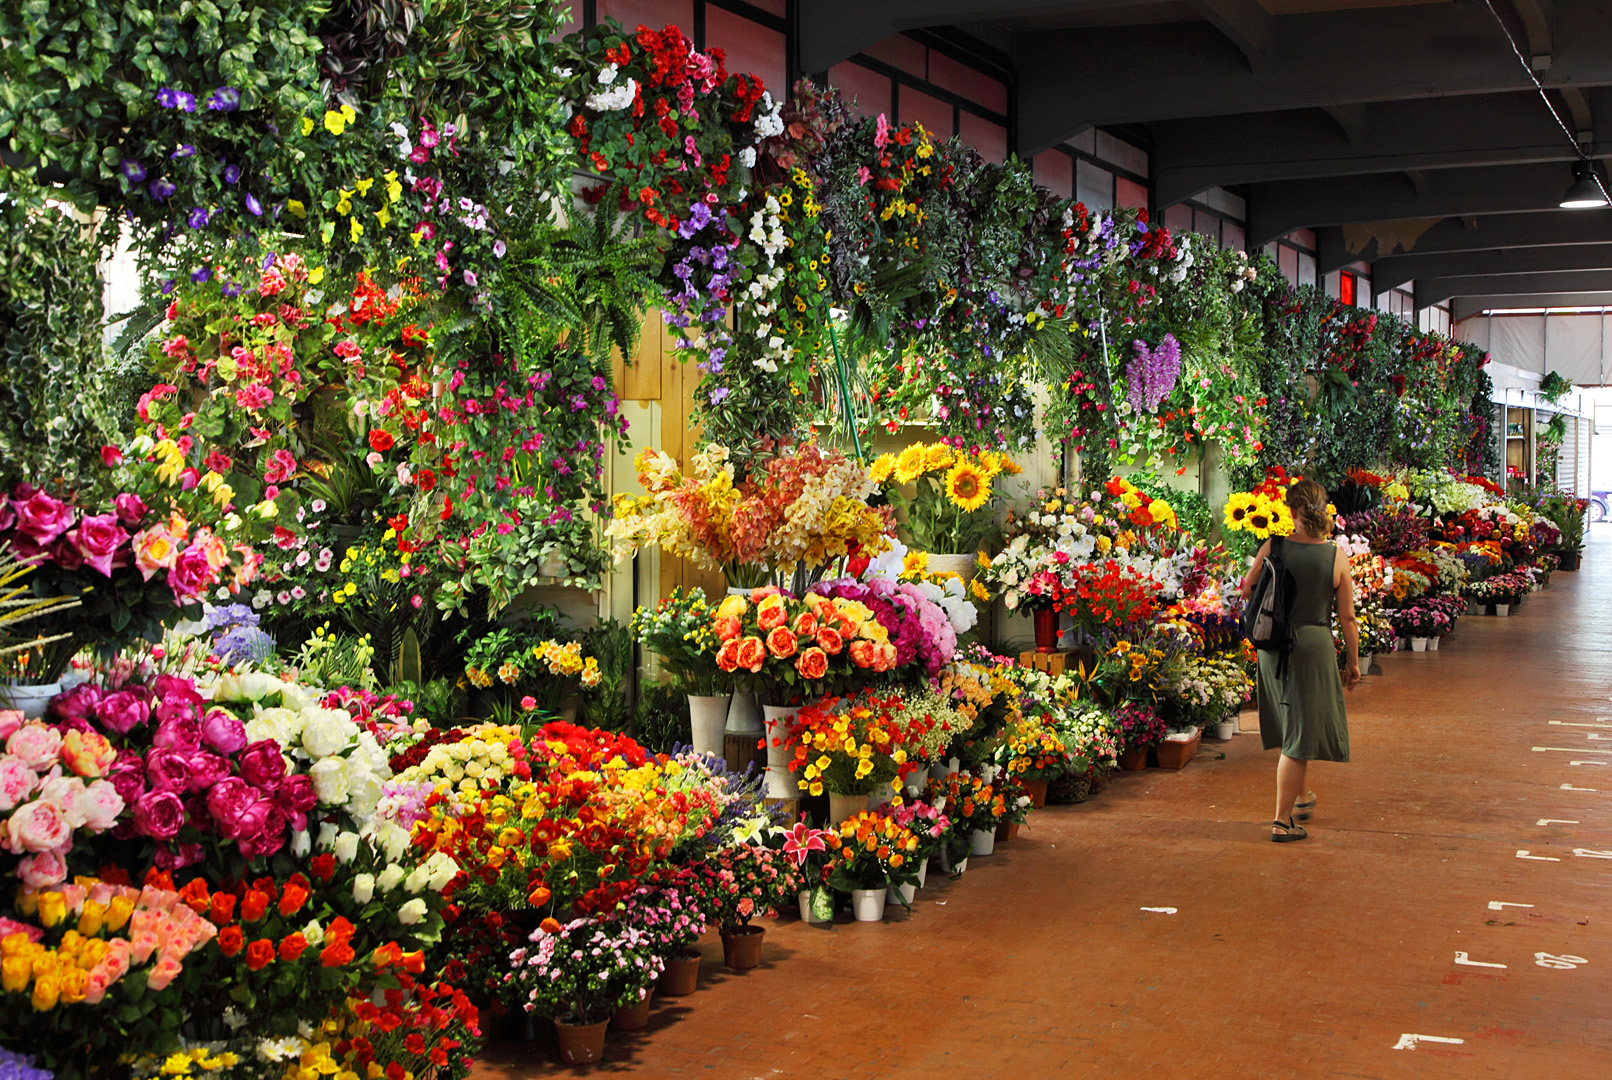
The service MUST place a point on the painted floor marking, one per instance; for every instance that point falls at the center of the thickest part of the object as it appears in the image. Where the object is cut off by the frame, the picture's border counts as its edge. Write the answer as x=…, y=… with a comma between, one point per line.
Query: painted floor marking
x=1571, y=750
x=1591, y=853
x=1409, y=1041
x=1523, y=854
x=1501, y=905
x=1460, y=958
x=1161, y=910
x=1555, y=821
x=1559, y=963
x=1596, y=735
x=1570, y=787
x=1590, y=762
x=1569, y=723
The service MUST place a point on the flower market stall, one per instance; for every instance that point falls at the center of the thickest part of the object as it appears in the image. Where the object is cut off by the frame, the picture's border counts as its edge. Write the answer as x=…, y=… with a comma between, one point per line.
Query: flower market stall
x=323, y=753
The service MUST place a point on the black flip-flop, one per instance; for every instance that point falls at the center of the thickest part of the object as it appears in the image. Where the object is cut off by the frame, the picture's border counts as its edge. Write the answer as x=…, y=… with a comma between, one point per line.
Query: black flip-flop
x=1303, y=810
x=1290, y=832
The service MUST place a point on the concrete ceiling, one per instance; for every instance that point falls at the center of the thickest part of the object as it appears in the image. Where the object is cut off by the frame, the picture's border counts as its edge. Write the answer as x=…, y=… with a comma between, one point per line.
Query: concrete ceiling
x=1350, y=117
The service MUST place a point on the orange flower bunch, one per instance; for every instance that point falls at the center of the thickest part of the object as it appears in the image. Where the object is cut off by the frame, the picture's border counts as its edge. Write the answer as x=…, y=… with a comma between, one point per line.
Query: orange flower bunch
x=875, y=851
x=971, y=801
x=794, y=647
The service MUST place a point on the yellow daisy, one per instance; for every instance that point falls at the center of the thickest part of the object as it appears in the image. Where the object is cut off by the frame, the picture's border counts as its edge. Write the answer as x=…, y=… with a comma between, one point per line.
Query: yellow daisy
x=914, y=564
x=910, y=463
x=967, y=486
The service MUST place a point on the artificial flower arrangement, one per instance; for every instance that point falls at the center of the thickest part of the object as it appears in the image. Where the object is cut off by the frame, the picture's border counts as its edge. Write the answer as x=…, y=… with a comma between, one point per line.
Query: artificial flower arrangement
x=950, y=508
x=1105, y=599
x=927, y=822
x=807, y=507
x=876, y=852
x=787, y=648
x=1261, y=512
x=1425, y=618
x=1203, y=689
x=741, y=880
x=1138, y=725
x=679, y=630
x=930, y=721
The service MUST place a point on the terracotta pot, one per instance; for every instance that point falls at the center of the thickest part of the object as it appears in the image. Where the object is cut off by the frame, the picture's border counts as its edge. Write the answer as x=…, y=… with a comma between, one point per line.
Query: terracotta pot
x=1046, y=631
x=1174, y=755
x=1134, y=759
x=581, y=1044
x=1036, y=789
x=1006, y=831
x=682, y=975
x=741, y=947
x=634, y=1017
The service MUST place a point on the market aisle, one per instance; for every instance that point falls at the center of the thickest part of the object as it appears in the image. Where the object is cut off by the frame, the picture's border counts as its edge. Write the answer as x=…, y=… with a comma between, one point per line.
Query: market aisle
x=1282, y=961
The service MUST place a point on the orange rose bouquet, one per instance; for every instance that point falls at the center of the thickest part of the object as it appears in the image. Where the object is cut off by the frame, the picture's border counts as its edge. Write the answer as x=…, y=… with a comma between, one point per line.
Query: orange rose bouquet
x=875, y=852
x=788, y=649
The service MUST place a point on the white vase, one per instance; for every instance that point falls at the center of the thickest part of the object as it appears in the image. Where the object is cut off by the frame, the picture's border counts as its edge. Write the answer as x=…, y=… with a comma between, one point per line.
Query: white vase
x=1502, y=609
x=868, y=904
x=982, y=842
x=1401, y=644
x=923, y=872
x=901, y=895
x=843, y=807
x=776, y=720
x=29, y=698
x=879, y=796
x=1432, y=644
x=949, y=867
x=1418, y=644
x=781, y=783
x=708, y=717
x=915, y=782
x=744, y=715
x=1225, y=729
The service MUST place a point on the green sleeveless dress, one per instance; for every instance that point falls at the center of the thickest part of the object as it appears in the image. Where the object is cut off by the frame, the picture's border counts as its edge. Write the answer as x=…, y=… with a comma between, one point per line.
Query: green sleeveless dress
x=1302, y=712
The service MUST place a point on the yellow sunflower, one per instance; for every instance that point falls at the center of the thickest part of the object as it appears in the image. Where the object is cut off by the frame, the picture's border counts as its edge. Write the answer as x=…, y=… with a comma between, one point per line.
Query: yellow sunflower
x=967, y=486
x=1281, y=518
x=1258, y=519
x=882, y=468
x=1010, y=467
x=910, y=463
x=938, y=458
x=990, y=463
x=1237, y=508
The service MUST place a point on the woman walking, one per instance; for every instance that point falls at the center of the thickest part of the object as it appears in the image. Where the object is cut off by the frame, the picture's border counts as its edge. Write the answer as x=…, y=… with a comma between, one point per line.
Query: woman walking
x=1301, y=698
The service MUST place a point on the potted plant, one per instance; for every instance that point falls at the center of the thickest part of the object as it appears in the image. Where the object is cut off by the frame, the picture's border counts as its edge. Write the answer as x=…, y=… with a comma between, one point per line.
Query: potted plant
x=875, y=854
x=1030, y=751
x=737, y=882
x=975, y=807
x=1139, y=727
x=1017, y=803
x=679, y=631
x=930, y=824
x=670, y=915
x=579, y=974
x=813, y=852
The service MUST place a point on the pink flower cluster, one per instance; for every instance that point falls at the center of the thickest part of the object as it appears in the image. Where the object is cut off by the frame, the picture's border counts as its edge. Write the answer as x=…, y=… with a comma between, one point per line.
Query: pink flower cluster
x=52, y=785
x=187, y=770
x=919, y=628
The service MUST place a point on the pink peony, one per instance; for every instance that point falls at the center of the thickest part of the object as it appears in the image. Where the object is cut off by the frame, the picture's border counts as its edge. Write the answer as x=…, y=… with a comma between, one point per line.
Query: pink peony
x=192, y=574
x=206, y=770
x=17, y=781
x=37, y=826
x=223, y=732
x=261, y=764
x=227, y=801
x=159, y=815
x=88, y=753
x=168, y=770
x=99, y=805
x=129, y=776
x=10, y=721
x=42, y=870
x=177, y=731
x=42, y=518
x=38, y=746
x=122, y=712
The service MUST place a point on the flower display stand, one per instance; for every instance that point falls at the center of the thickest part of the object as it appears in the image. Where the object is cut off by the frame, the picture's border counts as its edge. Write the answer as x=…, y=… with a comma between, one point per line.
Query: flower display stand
x=1055, y=663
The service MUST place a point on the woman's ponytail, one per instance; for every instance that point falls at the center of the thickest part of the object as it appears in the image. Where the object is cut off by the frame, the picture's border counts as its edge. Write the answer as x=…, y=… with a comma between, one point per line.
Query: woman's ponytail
x=1308, y=501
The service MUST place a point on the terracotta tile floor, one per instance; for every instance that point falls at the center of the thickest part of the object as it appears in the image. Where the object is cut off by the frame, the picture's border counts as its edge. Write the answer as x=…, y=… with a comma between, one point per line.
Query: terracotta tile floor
x=1283, y=961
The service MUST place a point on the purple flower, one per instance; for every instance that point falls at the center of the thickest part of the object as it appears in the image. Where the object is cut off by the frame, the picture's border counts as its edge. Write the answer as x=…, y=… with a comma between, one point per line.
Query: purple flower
x=201, y=274
x=198, y=217
x=231, y=289
x=718, y=395
x=161, y=188
x=578, y=402
x=253, y=207
x=167, y=286
x=224, y=99
x=133, y=171
x=1152, y=373
x=232, y=173
x=185, y=150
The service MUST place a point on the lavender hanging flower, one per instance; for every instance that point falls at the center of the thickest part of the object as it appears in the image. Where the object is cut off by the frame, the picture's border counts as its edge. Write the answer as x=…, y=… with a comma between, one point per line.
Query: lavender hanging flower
x=1152, y=373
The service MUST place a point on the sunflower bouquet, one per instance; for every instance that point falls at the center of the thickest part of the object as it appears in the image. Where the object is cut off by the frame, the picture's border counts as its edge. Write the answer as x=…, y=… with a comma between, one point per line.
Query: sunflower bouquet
x=950, y=508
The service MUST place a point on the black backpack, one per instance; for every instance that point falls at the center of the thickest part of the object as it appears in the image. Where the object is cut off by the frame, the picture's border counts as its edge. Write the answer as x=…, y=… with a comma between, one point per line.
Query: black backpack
x=1268, y=619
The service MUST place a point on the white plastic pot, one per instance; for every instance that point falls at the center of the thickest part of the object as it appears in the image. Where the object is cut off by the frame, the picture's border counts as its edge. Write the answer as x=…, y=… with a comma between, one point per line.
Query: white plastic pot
x=868, y=904
x=708, y=717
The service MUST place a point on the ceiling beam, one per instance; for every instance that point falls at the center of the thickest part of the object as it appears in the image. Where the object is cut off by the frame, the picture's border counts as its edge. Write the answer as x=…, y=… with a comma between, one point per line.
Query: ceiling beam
x=835, y=30
x=1246, y=25
x=1072, y=79
x=1190, y=156
x=1275, y=209
x=1431, y=291
x=1471, y=234
x=1398, y=269
x=1463, y=307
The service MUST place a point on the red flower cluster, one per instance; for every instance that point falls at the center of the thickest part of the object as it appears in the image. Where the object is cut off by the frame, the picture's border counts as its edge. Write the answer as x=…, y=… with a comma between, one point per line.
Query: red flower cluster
x=1107, y=595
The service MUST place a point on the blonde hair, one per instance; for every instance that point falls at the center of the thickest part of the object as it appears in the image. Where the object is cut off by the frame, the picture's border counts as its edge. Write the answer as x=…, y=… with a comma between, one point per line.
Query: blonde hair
x=1308, y=501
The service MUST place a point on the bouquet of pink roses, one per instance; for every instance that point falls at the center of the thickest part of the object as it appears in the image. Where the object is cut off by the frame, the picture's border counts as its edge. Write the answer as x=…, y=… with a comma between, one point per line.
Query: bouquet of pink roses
x=52, y=785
